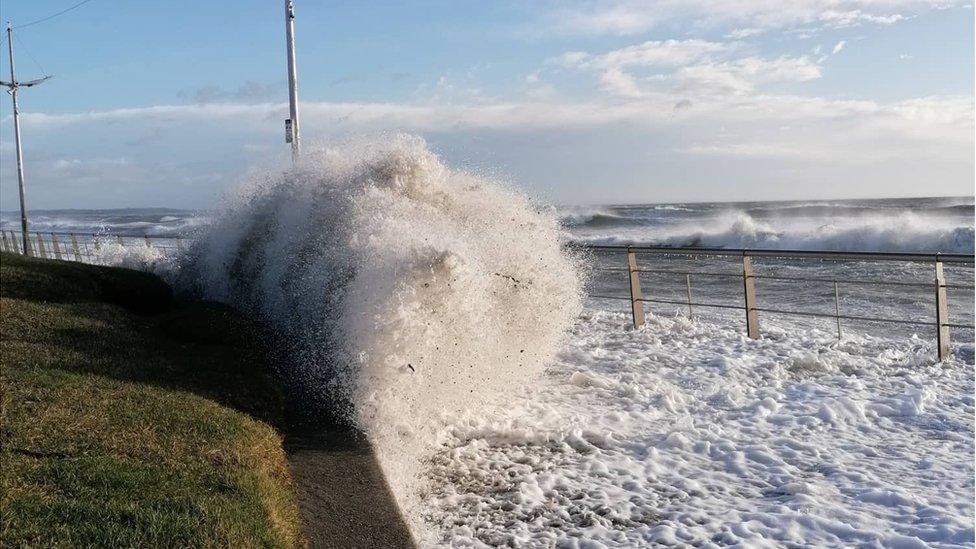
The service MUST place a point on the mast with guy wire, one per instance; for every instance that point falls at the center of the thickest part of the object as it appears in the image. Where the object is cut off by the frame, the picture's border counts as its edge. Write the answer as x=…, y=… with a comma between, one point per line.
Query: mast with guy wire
x=12, y=88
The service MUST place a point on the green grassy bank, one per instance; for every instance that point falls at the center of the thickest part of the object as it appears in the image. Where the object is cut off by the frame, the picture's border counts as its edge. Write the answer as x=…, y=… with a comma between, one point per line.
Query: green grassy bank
x=130, y=420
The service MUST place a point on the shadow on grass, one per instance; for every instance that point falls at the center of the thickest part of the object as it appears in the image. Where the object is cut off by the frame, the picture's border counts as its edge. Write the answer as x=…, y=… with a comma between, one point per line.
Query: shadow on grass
x=208, y=349
x=230, y=370
x=60, y=316
x=53, y=281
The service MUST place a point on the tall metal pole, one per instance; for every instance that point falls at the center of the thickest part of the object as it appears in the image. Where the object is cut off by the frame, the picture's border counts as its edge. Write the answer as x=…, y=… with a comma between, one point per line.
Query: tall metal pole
x=20, y=152
x=292, y=80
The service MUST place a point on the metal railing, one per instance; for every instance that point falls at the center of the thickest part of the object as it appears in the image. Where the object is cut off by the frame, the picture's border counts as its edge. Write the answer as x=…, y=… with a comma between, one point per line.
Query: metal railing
x=82, y=247
x=750, y=305
x=86, y=247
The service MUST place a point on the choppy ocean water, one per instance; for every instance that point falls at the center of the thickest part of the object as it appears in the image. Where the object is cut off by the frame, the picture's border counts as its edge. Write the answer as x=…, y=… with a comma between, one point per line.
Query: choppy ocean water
x=927, y=225
x=923, y=225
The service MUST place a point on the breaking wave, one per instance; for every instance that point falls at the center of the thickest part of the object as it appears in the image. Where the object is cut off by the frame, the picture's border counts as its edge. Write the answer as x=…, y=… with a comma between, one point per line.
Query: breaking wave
x=904, y=232
x=583, y=216
x=406, y=293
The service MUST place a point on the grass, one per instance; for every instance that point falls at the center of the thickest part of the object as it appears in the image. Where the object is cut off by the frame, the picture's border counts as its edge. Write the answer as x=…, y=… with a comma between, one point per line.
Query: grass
x=130, y=420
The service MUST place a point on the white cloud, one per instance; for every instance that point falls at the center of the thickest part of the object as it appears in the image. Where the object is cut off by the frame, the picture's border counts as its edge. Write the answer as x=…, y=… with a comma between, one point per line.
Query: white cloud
x=537, y=89
x=749, y=17
x=542, y=144
x=744, y=75
x=852, y=18
x=739, y=34
x=616, y=82
x=653, y=53
x=77, y=167
x=619, y=18
x=161, y=113
x=926, y=117
x=614, y=67
x=571, y=58
x=668, y=53
x=449, y=89
x=838, y=47
x=688, y=66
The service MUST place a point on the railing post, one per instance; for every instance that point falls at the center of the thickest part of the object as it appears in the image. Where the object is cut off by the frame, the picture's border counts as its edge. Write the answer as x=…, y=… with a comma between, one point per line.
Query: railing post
x=74, y=246
x=4, y=235
x=941, y=311
x=749, y=283
x=13, y=238
x=636, y=305
x=688, y=287
x=56, y=246
x=30, y=246
x=837, y=308
x=40, y=246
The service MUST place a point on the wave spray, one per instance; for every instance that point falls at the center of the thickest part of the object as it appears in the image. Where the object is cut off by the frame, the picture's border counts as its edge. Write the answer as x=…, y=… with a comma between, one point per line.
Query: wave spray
x=405, y=294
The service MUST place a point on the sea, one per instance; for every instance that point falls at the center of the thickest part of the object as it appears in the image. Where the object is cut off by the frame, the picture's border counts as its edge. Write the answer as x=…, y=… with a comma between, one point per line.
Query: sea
x=916, y=225
x=924, y=225
x=512, y=403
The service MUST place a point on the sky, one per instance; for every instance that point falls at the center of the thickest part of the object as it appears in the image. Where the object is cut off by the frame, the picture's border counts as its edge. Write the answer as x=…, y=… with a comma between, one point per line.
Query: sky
x=173, y=104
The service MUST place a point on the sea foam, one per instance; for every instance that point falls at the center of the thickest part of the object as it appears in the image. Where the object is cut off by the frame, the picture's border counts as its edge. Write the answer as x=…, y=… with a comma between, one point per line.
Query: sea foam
x=404, y=293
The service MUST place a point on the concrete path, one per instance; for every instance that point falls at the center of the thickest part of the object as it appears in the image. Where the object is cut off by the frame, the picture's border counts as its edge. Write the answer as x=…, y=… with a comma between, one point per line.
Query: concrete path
x=344, y=499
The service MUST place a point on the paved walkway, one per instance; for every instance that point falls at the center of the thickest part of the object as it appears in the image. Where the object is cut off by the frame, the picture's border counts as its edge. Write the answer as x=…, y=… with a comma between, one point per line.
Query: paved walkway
x=344, y=499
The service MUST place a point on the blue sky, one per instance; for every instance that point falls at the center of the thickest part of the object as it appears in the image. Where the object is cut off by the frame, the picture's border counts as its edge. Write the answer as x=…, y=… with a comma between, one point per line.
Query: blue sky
x=173, y=103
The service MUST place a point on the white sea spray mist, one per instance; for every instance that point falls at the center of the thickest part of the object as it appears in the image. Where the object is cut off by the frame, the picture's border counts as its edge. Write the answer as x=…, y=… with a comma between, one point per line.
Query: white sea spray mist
x=403, y=292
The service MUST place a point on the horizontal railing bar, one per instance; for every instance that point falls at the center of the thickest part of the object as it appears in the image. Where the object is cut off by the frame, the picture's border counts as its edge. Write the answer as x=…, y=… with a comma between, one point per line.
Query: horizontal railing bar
x=89, y=237
x=788, y=312
x=693, y=303
x=101, y=234
x=668, y=271
x=797, y=254
x=867, y=282
x=872, y=282
x=608, y=297
x=698, y=273
x=844, y=317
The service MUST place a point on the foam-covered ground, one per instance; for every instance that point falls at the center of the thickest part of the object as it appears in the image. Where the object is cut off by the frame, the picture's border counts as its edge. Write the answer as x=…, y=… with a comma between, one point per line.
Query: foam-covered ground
x=689, y=433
